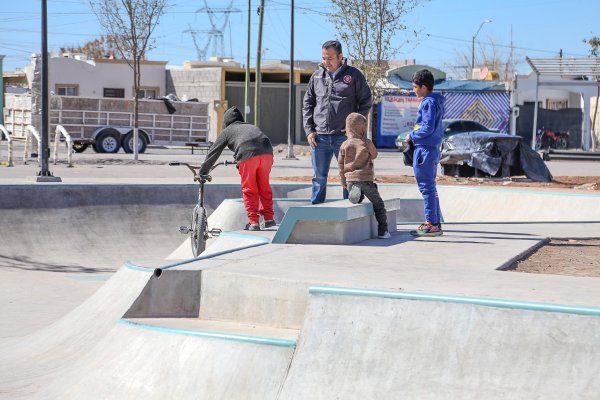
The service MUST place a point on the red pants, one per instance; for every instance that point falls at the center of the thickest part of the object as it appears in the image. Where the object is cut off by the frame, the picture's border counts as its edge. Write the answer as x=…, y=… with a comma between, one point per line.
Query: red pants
x=256, y=190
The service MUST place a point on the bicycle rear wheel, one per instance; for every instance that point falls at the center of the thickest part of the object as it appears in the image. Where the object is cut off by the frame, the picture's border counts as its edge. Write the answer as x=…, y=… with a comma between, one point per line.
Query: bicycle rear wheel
x=198, y=233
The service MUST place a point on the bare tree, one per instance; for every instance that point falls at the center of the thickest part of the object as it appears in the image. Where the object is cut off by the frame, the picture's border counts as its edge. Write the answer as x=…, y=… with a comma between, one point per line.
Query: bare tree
x=594, y=43
x=131, y=24
x=490, y=55
x=367, y=27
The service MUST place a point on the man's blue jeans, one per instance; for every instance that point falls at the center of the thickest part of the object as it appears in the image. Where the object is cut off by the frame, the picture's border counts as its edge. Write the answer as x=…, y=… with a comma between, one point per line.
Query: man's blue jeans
x=327, y=147
x=425, y=164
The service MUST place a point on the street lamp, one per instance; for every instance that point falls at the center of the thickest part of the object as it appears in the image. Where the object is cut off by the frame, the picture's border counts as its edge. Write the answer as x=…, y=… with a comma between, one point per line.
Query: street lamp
x=473, y=48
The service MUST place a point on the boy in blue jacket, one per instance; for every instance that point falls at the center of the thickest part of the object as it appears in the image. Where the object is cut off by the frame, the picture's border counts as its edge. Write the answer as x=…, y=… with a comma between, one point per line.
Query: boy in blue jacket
x=427, y=137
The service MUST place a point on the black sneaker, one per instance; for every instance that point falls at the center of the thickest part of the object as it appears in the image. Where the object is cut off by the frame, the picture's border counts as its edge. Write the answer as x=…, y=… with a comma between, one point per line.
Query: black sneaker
x=269, y=223
x=252, y=227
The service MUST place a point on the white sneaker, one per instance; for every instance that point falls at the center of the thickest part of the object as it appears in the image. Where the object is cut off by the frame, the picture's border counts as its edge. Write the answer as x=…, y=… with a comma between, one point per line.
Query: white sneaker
x=386, y=235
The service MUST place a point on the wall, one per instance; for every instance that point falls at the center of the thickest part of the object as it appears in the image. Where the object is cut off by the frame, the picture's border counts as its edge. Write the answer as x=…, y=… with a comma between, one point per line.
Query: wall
x=525, y=90
x=568, y=119
x=274, y=106
x=203, y=84
x=92, y=79
x=490, y=109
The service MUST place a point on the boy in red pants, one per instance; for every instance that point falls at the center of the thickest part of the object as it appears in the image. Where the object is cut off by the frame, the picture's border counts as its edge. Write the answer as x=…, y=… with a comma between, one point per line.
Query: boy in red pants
x=253, y=153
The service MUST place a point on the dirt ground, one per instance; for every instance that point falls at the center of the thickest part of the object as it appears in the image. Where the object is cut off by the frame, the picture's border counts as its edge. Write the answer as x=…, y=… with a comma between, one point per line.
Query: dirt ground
x=580, y=183
x=584, y=183
x=564, y=257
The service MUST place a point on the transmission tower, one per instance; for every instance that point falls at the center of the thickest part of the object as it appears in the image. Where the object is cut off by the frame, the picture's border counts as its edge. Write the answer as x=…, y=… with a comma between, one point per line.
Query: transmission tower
x=219, y=18
x=197, y=36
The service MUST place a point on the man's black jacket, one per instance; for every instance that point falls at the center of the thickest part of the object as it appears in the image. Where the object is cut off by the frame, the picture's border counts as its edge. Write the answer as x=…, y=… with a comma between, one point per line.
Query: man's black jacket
x=328, y=102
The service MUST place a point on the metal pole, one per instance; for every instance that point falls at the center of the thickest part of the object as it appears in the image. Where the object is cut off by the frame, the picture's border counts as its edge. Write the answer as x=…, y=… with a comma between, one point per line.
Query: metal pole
x=247, y=84
x=473, y=45
x=535, y=111
x=290, y=153
x=258, y=78
x=586, y=128
x=45, y=148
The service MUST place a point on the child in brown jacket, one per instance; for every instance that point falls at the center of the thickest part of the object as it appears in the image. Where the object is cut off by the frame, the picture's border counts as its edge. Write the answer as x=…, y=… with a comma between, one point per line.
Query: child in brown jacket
x=356, y=169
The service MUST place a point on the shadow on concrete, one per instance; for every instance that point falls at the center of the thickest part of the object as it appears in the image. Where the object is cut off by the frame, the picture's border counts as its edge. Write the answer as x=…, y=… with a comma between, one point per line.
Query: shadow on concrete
x=28, y=264
x=396, y=238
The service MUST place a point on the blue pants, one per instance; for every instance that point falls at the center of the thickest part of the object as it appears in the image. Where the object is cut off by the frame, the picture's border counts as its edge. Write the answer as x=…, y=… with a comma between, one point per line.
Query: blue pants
x=327, y=147
x=425, y=163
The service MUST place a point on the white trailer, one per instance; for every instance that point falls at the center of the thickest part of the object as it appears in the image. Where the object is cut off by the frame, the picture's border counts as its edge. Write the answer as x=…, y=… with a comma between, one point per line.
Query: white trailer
x=107, y=124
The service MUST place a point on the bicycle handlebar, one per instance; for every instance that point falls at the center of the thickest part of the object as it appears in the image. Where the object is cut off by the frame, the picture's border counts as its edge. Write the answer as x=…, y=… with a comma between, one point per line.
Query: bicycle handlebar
x=195, y=168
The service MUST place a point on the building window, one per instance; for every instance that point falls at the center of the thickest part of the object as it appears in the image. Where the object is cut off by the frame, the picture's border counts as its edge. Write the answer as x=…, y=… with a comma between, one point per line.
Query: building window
x=556, y=104
x=147, y=93
x=114, y=93
x=67, y=90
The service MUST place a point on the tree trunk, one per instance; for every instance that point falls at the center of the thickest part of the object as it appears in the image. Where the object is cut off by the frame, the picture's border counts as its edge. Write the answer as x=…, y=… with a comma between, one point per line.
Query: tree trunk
x=370, y=124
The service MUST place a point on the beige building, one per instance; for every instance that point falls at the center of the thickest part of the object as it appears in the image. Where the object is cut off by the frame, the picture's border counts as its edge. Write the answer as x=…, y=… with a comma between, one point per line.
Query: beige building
x=73, y=75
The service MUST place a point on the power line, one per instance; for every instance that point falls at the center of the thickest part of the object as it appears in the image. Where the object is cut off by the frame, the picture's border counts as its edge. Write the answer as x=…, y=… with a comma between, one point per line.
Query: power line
x=502, y=45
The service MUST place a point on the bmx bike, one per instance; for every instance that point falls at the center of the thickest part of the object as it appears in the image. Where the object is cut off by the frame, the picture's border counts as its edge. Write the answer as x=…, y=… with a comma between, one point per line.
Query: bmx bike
x=199, y=231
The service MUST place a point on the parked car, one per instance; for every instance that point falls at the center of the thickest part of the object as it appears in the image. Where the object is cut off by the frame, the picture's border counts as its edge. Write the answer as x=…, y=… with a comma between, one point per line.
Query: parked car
x=451, y=128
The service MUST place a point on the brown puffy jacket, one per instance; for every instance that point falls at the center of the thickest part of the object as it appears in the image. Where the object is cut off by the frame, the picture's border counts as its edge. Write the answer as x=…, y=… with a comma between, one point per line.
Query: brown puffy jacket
x=357, y=153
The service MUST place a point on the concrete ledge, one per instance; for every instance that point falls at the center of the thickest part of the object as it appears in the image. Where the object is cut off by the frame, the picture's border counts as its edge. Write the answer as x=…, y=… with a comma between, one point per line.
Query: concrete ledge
x=231, y=215
x=478, y=301
x=206, y=329
x=335, y=222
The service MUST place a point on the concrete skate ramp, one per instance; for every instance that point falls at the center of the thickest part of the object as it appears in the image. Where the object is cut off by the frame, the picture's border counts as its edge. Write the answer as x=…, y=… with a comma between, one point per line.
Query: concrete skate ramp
x=28, y=363
x=95, y=228
x=365, y=344
x=485, y=204
x=143, y=362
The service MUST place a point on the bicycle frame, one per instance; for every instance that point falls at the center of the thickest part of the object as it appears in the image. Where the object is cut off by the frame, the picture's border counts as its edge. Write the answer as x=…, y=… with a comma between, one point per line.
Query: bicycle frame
x=199, y=238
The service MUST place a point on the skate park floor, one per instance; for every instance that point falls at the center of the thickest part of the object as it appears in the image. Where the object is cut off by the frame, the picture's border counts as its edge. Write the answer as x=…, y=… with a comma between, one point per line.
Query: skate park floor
x=251, y=281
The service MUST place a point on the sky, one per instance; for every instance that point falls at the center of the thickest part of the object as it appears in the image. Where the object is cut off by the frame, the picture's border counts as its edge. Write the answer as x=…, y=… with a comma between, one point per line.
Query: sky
x=540, y=28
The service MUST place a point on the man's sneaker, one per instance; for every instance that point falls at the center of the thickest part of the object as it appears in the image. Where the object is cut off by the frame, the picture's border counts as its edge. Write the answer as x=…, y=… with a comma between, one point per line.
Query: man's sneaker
x=269, y=223
x=355, y=195
x=428, y=229
x=252, y=227
x=385, y=235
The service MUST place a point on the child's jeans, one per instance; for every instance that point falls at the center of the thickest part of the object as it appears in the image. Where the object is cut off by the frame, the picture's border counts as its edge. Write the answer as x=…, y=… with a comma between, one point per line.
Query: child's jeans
x=425, y=164
x=256, y=190
x=369, y=189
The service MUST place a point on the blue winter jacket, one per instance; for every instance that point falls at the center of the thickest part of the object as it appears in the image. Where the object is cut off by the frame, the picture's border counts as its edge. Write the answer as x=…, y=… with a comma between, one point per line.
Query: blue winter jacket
x=428, y=129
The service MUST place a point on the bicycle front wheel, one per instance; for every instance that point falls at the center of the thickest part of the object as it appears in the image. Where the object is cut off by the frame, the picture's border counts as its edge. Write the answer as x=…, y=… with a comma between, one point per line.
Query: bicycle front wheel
x=198, y=232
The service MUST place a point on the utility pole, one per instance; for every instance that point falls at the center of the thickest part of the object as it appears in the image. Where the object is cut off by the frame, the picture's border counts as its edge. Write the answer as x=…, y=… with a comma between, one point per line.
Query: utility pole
x=247, y=84
x=257, y=79
x=44, y=175
x=291, y=130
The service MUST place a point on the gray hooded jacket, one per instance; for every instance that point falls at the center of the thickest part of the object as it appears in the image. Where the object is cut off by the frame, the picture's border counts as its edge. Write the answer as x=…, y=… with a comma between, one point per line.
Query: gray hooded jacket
x=328, y=102
x=244, y=139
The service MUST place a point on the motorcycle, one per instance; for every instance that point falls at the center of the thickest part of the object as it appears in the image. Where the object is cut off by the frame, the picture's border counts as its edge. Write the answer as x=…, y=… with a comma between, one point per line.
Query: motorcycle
x=548, y=139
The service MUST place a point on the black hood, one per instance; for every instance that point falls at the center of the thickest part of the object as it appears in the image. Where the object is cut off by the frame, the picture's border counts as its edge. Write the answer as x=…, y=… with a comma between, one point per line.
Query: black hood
x=232, y=115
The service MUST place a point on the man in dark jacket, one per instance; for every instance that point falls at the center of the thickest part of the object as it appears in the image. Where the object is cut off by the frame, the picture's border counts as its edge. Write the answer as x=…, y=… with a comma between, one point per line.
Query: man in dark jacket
x=334, y=91
x=253, y=153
